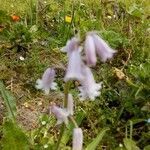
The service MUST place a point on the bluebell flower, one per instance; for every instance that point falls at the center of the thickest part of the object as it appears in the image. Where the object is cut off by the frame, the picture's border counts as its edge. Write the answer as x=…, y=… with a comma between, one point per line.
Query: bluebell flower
x=47, y=81
x=77, y=139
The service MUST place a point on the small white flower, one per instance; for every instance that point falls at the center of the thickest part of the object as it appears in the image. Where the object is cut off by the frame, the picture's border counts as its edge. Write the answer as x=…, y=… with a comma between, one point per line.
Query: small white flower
x=46, y=83
x=90, y=52
x=21, y=58
x=77, y=139
x=60, y=113
x=89, y=88
x=43, y=122
x=70, y=104
x=45, y=146
x=114, y=16
x=120, y=145
x=102, y=48
x=109, y=17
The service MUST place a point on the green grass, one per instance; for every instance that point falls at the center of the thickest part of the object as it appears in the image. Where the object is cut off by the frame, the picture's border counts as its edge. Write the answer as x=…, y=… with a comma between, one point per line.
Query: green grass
x=38, y=37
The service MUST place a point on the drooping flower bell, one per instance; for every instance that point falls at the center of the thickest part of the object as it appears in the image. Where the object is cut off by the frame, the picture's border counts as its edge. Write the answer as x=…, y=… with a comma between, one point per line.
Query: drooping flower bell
x=71, y=44
x=90, y=50
x=47, y=81
x=89, y=88
x=74, y=70
x=103, y=50
x=60, y=113
x=77, y=139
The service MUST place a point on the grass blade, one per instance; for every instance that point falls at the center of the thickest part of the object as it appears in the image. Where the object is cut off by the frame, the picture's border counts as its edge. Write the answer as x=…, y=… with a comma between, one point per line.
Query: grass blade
x=96, y=141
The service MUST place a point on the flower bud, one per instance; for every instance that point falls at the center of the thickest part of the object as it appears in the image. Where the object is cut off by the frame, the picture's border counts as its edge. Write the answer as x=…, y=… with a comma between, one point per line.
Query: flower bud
x=90, y=51
x=70, y=104
x=77, y=139
x=60, y=113
x=102, y=48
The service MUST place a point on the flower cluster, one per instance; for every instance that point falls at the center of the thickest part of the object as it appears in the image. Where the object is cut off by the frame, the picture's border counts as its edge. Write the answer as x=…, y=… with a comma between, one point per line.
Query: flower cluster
x=79, y=70
x=96, y=45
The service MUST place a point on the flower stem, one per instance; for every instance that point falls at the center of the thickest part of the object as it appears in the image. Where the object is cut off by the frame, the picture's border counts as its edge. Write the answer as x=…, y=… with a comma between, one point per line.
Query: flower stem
x=60, y=136
x=66, y=91
x=73, y=121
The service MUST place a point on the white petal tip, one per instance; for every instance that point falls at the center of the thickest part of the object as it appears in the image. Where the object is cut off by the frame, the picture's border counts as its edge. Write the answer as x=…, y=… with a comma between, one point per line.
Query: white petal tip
x=63, y=49
x=39, y=84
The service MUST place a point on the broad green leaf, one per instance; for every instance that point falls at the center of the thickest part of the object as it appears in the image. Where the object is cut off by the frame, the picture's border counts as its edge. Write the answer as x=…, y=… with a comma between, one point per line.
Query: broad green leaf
x=68, y=132
x=130, y=144
x=13, y=137
x=97, y=140
x=9, y=100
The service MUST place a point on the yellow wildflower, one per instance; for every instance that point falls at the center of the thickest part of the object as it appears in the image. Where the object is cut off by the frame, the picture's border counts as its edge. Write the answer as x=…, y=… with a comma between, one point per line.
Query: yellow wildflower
x=68, y=19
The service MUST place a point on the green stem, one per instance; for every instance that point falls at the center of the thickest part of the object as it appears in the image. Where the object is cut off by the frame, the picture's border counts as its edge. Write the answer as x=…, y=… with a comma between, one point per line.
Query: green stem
x=60, y=136
x=119, y=115
x=126, y=132
x=131, y=129
x=131, y=83
x=31, y=12
x=37, y=11
x=72, y=19
x=73, y=121
x=66, y=91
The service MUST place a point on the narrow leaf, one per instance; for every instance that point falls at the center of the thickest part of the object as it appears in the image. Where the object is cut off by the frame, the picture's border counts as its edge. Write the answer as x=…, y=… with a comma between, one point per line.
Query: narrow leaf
x=97, y=140
x=9, y=100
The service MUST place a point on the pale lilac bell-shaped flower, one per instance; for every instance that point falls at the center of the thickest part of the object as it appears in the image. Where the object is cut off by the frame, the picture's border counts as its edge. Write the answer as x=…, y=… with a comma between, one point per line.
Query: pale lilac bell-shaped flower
x=90, y=51
x=89, y=88
x=77, y=139
x=71, y=44
x=70, y=104
x=60, y=113
x=102, y=48
x=74, y=69
x=47, y=81
x=63, y=113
